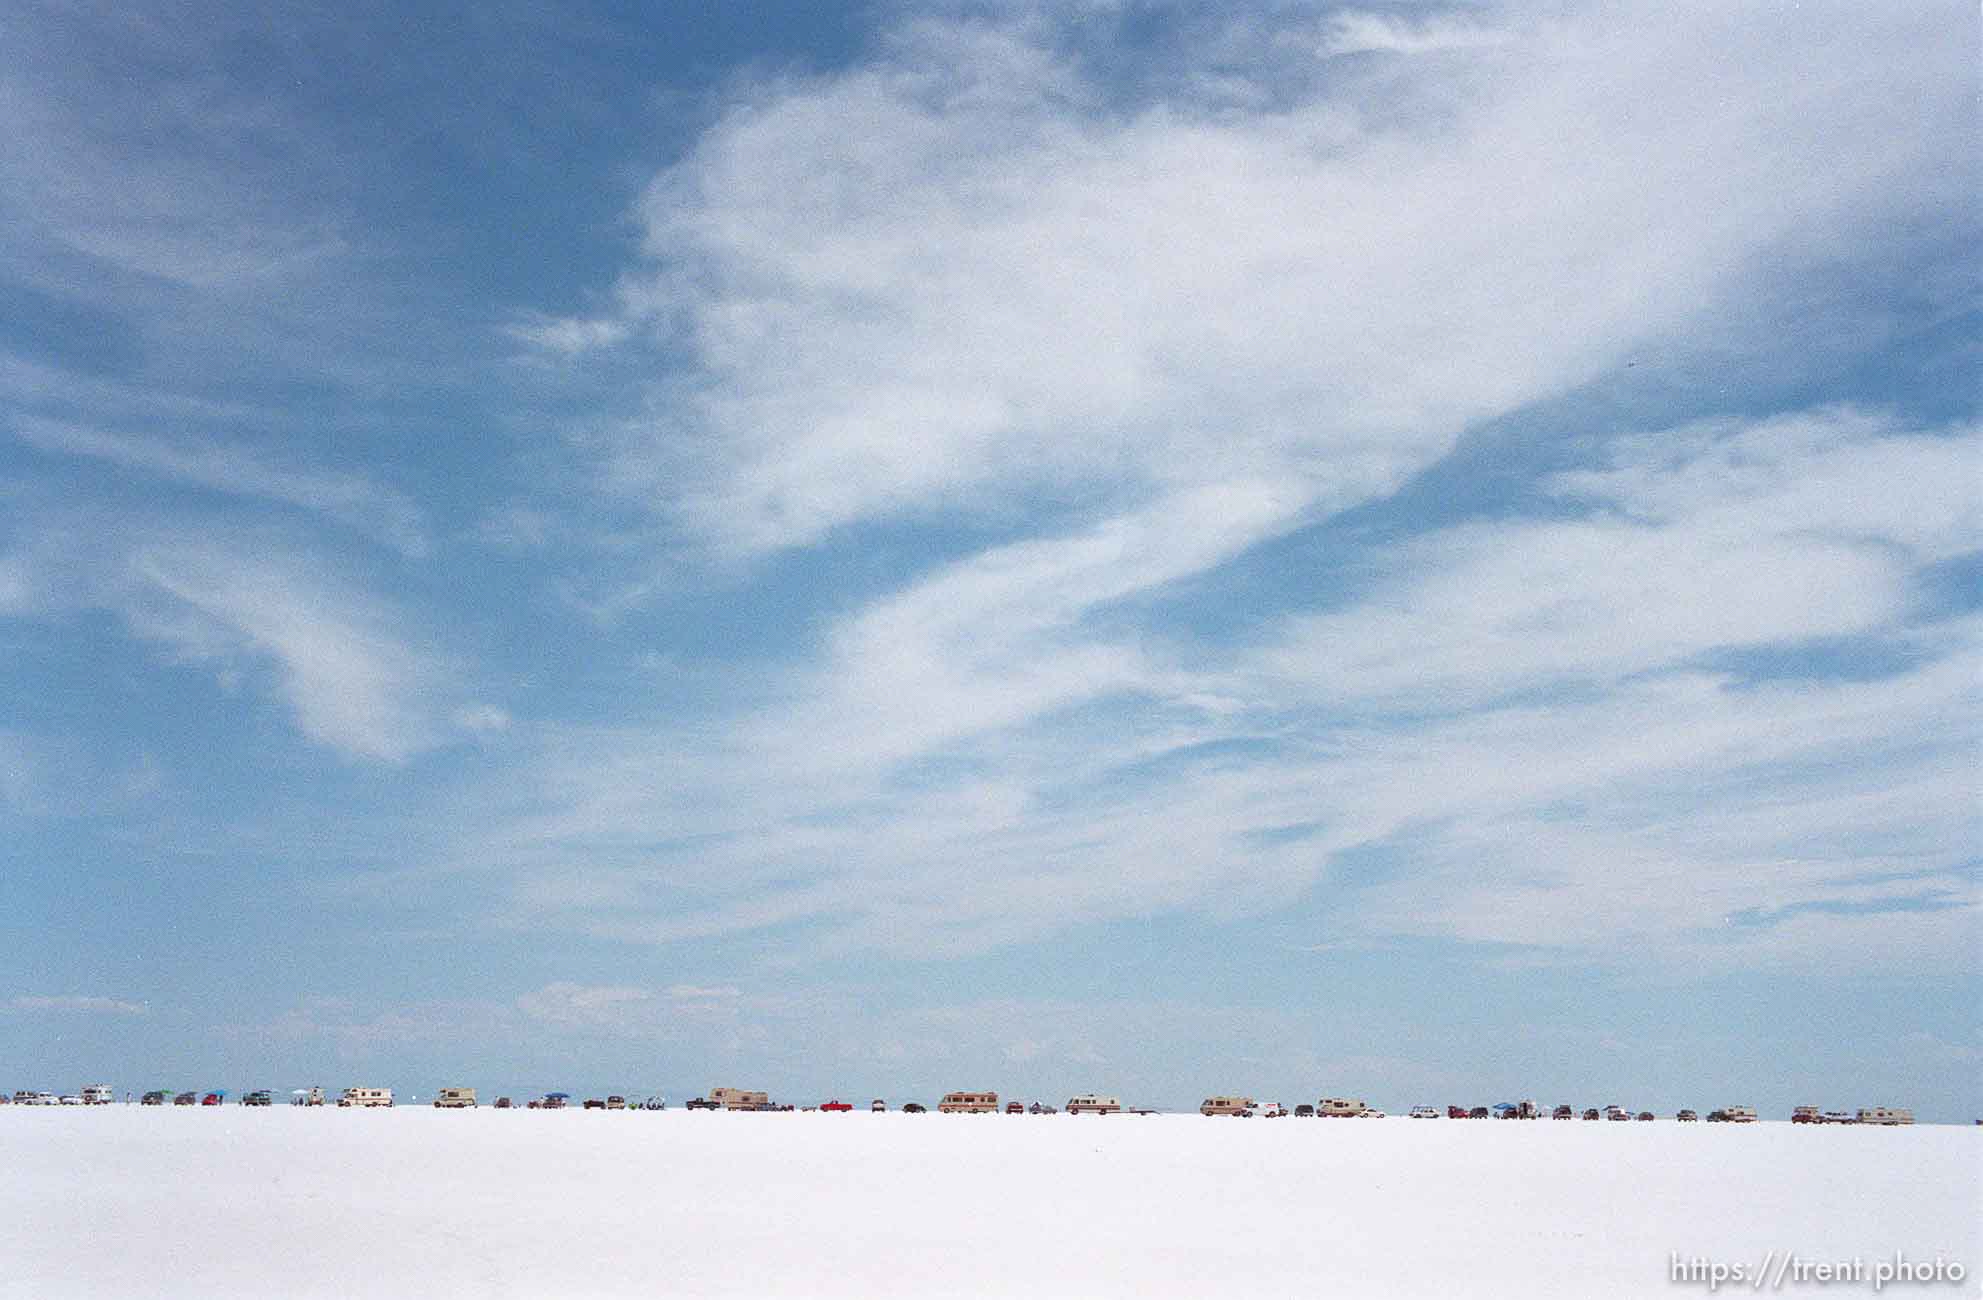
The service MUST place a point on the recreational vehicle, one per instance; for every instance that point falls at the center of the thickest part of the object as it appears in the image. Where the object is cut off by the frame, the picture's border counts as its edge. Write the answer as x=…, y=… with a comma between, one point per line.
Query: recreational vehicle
x=1340, y=1107
x=455, y=1099
x=1739, y=1114
x=1241, y=1106
x=968, y=1103
x=1091, y=1104
x=739, y=1099
x=365, y=1098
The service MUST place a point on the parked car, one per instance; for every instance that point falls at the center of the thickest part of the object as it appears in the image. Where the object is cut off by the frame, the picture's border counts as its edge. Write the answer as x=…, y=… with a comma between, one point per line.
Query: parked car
x=1304, y=1111
x=1478, y=1112
x=1456, y=1112
x=213, y=1099
x=259, y=1097
x=98, y=1094
x=504, y=1103
x=1592, y=1114
x=154, y=1098
x=1717, y=1117
x=1838, y=1117
x=877, y=1106
x=594, y=1103
x=556, y=1100
x=1563, y=1112
x=1645, y=1117
x=704, y=1103
x=836, y=1105
x=72, y=1099
x=1804, y=1115
x=914, y=1108
x=1687, y=1117
x=616, y=1103
x=1041, y=1108
x=187, y=1099
x=1424, y=1112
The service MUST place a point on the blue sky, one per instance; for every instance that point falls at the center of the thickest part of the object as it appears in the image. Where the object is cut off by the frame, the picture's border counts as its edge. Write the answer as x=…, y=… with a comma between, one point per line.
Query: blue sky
x=1421, y=552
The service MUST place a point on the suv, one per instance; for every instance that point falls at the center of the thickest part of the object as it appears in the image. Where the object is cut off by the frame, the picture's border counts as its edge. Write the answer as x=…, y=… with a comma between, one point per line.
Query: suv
x=154, y=1098
x=1425, y=1112
x=187, y=1099
x=259, y=1097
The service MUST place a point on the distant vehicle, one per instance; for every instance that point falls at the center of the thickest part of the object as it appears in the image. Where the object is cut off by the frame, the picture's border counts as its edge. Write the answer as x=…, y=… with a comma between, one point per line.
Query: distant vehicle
x=1456, y=1112
x=616, y=1103
x=968, y=1103
x=655, y=1103
x=1804, y=1115
x=1340, y=1107
x=1015, y=1108
x=836, y=1105
x=1838, y=1117
x=554, y=1101
x=1739, y=1114
x=1238, y=1107
x=1886, y=1115
x=1273, y=1110
x=1041, y=1108
x=1563, y=1112
x=72, y=1099
x=307, y=1097
x=1371, y=1113
x=877, y=1106
x=1478, y=1112
x=187, y=1099
x=214, y=1099
x=1306, y=1111
x=366, y=1098
x=504, y=1103
x=98, y=1094
x=154, y=1098
x=1645, y=1117
x=259, y=1097
x=704, y=1103
x=1717, y=1117
x=1687, y=1117
x=740, y=1099
x=1093, y=1103
x=594, y=1103
x=1424, y=1112
x=914, y=1108
x=455, y=1099
x=1592, y=1114
x=1617, y=1113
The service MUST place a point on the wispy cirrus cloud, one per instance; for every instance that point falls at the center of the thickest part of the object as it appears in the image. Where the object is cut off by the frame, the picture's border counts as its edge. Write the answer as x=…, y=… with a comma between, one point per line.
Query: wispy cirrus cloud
x=380, y=512
x=76, y=1004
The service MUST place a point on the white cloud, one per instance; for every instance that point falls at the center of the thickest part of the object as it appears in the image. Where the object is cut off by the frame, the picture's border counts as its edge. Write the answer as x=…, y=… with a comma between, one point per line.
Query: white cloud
x=1361, y=32
x=78, y=1004
x=348, y=498
x=959, y=276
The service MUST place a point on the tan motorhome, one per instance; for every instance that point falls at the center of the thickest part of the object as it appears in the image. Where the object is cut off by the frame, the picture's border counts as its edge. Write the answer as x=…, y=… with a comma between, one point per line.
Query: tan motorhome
x=1885, y=1115
x=738, y=1099
x=1092, y=1104
x=1226, y=1106
x=455, y=1099
x=968, y=1103
x=1340, y=1107
x=1740, y=1114
x=365, y=1097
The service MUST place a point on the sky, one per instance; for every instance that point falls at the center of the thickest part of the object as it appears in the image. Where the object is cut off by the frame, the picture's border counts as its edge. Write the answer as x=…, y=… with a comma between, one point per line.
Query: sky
x=1421, y=552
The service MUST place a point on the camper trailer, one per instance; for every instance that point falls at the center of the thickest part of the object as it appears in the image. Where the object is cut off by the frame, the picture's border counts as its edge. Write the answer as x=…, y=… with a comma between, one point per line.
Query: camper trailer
x=455, y=1099
x=1092, y=1104
x=1238, y=1106
x=968, y=1103
x=739, y=1099
x=365, y=1098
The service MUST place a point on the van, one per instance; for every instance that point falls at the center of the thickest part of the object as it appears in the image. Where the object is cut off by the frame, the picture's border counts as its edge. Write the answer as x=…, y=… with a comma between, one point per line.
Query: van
x=455, y=1099
x=1093, y=1104
x=366, y=1098
x=1240, y=1106
x=968, y=1103
x=98, y=1094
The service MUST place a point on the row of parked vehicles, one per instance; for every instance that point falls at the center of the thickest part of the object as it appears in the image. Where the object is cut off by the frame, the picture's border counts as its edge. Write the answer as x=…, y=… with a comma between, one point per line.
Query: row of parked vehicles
x=958, y=1103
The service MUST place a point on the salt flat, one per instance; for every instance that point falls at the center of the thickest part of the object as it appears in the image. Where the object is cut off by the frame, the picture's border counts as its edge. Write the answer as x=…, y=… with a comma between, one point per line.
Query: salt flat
x=129, y=1201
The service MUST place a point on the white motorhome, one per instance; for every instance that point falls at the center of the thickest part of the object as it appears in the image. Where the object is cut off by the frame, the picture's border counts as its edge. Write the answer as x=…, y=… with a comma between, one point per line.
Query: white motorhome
x=98, y=1094
x=1340, y=1107
x=968, y=1103
x=455, y=1099
x=1226, y=1106
x=366, y=1098
x=1092, y=1104
x=1885, y=1115
x=740, y=1099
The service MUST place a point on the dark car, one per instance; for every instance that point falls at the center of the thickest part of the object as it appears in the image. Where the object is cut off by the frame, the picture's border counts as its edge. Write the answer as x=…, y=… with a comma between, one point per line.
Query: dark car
x=1591, y=1113
x=594, y=1103
x=1687, y=1117
x=914, y=1108
x=504, y=1103
x=154, y=1099
x=1456, y=1112
x=1478, y=1112
x=704, y=1103
x=1645, y=1117
x=1563, y=1112
x=187, y=1099
x=1304, y=1111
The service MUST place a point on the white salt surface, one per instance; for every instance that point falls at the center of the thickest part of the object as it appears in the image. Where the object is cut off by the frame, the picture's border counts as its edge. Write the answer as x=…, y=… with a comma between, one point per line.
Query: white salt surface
x=129, y=1201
